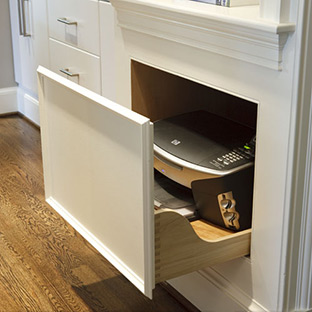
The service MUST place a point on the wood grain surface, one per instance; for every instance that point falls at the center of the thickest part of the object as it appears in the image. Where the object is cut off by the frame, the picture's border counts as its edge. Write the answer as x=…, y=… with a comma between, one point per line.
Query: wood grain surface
x=206, y=231
x=45, y=265
x=181, y=248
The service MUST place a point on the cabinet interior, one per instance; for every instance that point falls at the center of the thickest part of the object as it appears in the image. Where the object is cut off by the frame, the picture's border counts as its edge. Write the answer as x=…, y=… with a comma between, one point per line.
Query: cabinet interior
x=157, y=94
x=182, y=246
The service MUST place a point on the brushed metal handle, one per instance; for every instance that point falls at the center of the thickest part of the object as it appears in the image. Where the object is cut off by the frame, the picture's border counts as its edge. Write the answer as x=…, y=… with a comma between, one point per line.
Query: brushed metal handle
x=64, y=20
x=20, y=24
x=68, y=73
x=22, y=18
x=25, y=34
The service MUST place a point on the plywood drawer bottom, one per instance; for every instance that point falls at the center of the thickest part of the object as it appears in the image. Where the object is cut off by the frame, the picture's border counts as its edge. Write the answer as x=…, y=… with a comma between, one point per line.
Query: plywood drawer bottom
x=182, y=247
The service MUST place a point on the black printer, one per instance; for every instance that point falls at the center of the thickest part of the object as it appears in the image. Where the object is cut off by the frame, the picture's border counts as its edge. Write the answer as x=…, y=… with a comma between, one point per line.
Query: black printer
x=214, y=158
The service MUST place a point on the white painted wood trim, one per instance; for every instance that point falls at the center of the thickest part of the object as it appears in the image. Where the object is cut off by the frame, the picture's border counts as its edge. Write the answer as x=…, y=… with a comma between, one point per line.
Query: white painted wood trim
x=15, y=99
x=112, y=258
x=232, y=291
x=238, y=34
x=148, y=214
x=108, y=54
x=8, y=100
x=208, y=290
x=303, y=231
x=304, y=279
x=304, y=295
x=28, y=106
x=297, y=294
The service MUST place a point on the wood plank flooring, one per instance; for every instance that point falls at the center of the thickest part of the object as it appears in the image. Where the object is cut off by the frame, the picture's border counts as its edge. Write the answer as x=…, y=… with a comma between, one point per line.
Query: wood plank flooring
x=45, y=265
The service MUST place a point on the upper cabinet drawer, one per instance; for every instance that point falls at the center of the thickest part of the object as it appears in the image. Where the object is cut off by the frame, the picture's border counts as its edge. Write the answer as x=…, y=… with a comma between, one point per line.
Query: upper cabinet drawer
x=75, y=22
x=76, y=65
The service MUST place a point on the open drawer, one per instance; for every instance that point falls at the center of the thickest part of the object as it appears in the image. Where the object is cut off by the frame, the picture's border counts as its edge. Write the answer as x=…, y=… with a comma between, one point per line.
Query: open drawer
x=98, y=172
x=182, y=247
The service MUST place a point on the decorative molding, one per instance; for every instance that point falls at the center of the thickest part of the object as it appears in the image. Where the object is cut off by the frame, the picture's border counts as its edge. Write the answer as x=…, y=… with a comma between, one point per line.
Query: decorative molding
x=16, y=100
x=28, y=106
x=232, y=291
x=238, y=34
x=304, y=277
x=8, y=100
x=304, y=296
x=298, y=286
x=208, y=290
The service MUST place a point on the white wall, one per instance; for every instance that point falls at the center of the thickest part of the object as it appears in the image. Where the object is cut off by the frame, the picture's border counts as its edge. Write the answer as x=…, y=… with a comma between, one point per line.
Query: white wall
x=6, y=58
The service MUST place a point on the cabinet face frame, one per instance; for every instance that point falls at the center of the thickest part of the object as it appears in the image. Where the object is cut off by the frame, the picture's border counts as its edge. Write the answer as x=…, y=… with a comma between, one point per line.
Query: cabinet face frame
x=119, y=223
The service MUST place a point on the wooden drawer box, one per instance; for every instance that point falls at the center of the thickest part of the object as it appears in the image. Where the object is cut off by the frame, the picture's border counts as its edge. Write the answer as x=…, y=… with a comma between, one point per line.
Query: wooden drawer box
x=98, y=171
x=81, y=67
x=75, y=22
x=182, y=247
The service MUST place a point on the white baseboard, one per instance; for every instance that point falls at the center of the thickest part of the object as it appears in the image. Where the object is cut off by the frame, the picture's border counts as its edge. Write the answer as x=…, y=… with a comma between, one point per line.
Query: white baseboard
x=28, y=106
x=8, y=100
x=15, y=99
x=210, y=291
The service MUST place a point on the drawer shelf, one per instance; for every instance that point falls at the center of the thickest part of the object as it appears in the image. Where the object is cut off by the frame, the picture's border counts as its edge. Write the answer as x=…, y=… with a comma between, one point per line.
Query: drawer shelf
x=182, y=247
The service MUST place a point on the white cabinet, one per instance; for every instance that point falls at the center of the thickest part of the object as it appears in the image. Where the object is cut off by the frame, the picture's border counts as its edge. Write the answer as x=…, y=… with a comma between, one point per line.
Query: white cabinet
x=65, y=37
x=30, y=40
x=30, y=49
x=79, y=66
x=74, y=41
x=75, y=22
x=108, y=50
x=98, y=171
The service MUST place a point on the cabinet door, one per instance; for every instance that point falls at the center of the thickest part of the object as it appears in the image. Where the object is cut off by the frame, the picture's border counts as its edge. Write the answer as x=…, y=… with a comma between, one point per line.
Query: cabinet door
x=98, y=173
x=29, y=39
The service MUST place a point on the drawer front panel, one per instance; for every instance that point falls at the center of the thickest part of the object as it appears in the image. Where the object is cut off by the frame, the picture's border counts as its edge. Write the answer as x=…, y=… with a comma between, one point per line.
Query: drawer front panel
x=75, y=22
x=97, y=158
x=81, y=67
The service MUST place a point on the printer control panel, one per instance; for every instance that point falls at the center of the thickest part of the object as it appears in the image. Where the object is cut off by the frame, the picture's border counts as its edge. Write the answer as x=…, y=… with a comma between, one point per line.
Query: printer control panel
x=236, y=157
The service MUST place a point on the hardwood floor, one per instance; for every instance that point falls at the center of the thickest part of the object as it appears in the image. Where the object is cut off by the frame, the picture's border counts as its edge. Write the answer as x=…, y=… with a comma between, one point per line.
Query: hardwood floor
x=45, y=265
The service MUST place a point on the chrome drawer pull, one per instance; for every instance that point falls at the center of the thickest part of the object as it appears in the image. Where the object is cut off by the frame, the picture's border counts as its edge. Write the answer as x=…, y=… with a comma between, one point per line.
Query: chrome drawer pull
x=68, y=73
x=64, y=20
